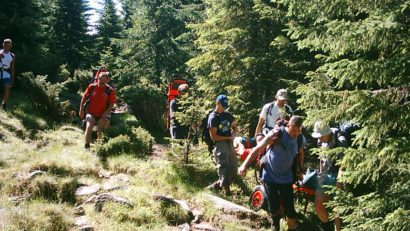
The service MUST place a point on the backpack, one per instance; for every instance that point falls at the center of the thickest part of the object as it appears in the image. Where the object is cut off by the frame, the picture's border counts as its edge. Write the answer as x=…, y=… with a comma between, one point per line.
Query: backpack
x=347, y=129
x=206, y=137
x=288, y=111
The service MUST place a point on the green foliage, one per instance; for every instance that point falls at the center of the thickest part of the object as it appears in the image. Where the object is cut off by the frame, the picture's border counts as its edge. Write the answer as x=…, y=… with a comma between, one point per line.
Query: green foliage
x=142, y=140
x=115, y=146
x=147, y=104
x=70, y=27
x=245, y=54
x=108, y=27
x=139, y=143
x=42, y=95
x=362, y=48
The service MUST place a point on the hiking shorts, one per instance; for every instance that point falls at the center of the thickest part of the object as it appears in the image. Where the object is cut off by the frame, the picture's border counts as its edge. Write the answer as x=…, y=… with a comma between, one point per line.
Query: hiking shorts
x=226, y=162
x=6, y=82
x=277, y=193
x=179, y=132
x=93, y=119
x=326, y=179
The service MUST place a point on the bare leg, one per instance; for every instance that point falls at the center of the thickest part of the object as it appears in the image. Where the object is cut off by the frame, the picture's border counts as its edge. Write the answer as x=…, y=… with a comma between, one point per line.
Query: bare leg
x=321, y=209
x=89, y=131
x=291, y=223
x=6, y=94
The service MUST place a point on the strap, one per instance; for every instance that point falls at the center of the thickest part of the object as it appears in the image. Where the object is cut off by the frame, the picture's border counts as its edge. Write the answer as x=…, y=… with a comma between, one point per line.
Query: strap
x=268, y=112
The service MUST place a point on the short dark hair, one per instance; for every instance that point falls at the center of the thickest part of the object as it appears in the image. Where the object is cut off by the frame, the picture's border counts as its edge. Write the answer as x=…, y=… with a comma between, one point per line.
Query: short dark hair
x=296, y=121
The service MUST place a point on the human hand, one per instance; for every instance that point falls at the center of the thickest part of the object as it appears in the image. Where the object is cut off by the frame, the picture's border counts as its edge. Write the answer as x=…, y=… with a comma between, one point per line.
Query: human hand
x=242, y=170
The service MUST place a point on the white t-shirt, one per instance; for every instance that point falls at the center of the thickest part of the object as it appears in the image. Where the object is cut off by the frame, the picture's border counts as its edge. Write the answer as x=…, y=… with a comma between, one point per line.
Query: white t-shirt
x=274, y=113
x=6, y=63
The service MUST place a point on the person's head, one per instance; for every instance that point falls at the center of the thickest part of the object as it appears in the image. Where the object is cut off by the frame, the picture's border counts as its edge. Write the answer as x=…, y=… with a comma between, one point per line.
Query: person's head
x=222, y=102
x=322, y=131
x=7, y=44
x=295, y=126
x=104, y=77
x=183, y=89
x=281, y=97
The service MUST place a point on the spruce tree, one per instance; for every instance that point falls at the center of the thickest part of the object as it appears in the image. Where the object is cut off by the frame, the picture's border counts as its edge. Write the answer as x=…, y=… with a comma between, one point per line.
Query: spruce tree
x=363, y=76
x=245, y=53
x=70, y=28
x=108, y=28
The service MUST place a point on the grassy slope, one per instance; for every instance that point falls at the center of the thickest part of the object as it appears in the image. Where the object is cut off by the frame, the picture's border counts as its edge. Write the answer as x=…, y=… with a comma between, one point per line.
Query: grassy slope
x=60, y=153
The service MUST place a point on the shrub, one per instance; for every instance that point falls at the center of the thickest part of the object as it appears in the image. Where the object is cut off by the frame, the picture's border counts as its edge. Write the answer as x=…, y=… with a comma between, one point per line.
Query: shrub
x=117, y=145
x=147, y=104
x=140, y=143
x=83, y=77
x=142, y=140
x=42, y=95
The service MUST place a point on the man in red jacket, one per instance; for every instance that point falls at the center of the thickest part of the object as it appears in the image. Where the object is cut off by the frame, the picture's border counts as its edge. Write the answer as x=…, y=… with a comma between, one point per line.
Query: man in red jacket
x=96, y=104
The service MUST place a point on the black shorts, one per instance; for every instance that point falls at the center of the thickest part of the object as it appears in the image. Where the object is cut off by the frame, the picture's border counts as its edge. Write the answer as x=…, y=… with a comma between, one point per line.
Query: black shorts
x=277, y=192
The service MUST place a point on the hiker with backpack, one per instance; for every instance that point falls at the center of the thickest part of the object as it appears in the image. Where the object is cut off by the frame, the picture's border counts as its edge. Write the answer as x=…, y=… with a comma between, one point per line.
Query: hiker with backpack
x=97, y=102
x=277, y=176
x=178, y=131
x=329, y=171
x=273, y=111
x=222, y=130
x=7, y=60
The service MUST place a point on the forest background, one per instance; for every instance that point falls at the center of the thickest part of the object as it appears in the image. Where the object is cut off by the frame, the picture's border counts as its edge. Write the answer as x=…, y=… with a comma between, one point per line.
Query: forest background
x=341, y=61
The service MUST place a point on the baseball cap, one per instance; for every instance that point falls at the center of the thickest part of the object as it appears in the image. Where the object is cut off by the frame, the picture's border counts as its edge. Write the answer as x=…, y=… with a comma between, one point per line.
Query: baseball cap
x=282, y=94
x=223, y=100
x=321, y=129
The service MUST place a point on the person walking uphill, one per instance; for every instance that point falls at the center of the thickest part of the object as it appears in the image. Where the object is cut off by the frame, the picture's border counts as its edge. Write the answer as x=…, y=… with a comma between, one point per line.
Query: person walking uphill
x=7, y=60
x=222, y=129
x=96, y=104
x=273, y=111
x=277, y=174
x=328, y=138
x=178, y=131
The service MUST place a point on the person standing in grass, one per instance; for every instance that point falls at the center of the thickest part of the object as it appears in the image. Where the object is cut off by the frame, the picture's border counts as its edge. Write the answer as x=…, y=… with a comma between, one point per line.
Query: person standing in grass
x=96, y=105
x=7, y=60
x=222, y=129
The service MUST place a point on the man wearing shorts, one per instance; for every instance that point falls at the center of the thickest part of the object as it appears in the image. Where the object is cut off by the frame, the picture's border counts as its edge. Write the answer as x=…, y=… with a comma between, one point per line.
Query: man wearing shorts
x=96, y=105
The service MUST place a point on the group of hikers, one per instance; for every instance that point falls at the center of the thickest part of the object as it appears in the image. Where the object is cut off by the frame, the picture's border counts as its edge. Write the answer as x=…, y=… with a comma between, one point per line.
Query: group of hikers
x=278, y=136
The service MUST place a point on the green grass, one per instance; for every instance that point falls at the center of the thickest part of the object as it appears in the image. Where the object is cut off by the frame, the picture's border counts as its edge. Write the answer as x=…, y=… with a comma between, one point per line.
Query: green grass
x=59, y=152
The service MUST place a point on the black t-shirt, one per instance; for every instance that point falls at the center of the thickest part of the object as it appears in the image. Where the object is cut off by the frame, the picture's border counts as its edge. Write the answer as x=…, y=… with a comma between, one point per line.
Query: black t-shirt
x=222, y=121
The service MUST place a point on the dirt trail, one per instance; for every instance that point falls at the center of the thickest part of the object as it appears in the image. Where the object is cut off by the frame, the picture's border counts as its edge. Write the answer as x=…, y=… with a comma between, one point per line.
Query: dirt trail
x=158, y=151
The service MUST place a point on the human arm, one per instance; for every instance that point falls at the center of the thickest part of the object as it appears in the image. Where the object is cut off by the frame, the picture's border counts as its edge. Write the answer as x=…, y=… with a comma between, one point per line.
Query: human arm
x=83, y=100
x=258, y=129
x=268, y=140
x=12, y=69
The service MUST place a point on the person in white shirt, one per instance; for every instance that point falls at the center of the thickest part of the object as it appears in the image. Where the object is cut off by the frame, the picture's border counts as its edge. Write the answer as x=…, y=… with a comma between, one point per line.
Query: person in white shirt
x=273, y=111
x=7, y=60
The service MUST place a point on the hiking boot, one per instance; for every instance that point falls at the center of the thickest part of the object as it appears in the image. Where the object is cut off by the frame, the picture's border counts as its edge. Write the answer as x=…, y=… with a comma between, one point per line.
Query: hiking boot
x=275, y=223
x=327, y=226
x=87, y=146
x=214, y=186
x=3, y=106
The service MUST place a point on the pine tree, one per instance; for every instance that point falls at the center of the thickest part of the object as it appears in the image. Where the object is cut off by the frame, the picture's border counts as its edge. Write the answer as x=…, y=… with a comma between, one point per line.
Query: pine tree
x=109, y=27
x=363, y=51
x=245, y=53
x=70, y=28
